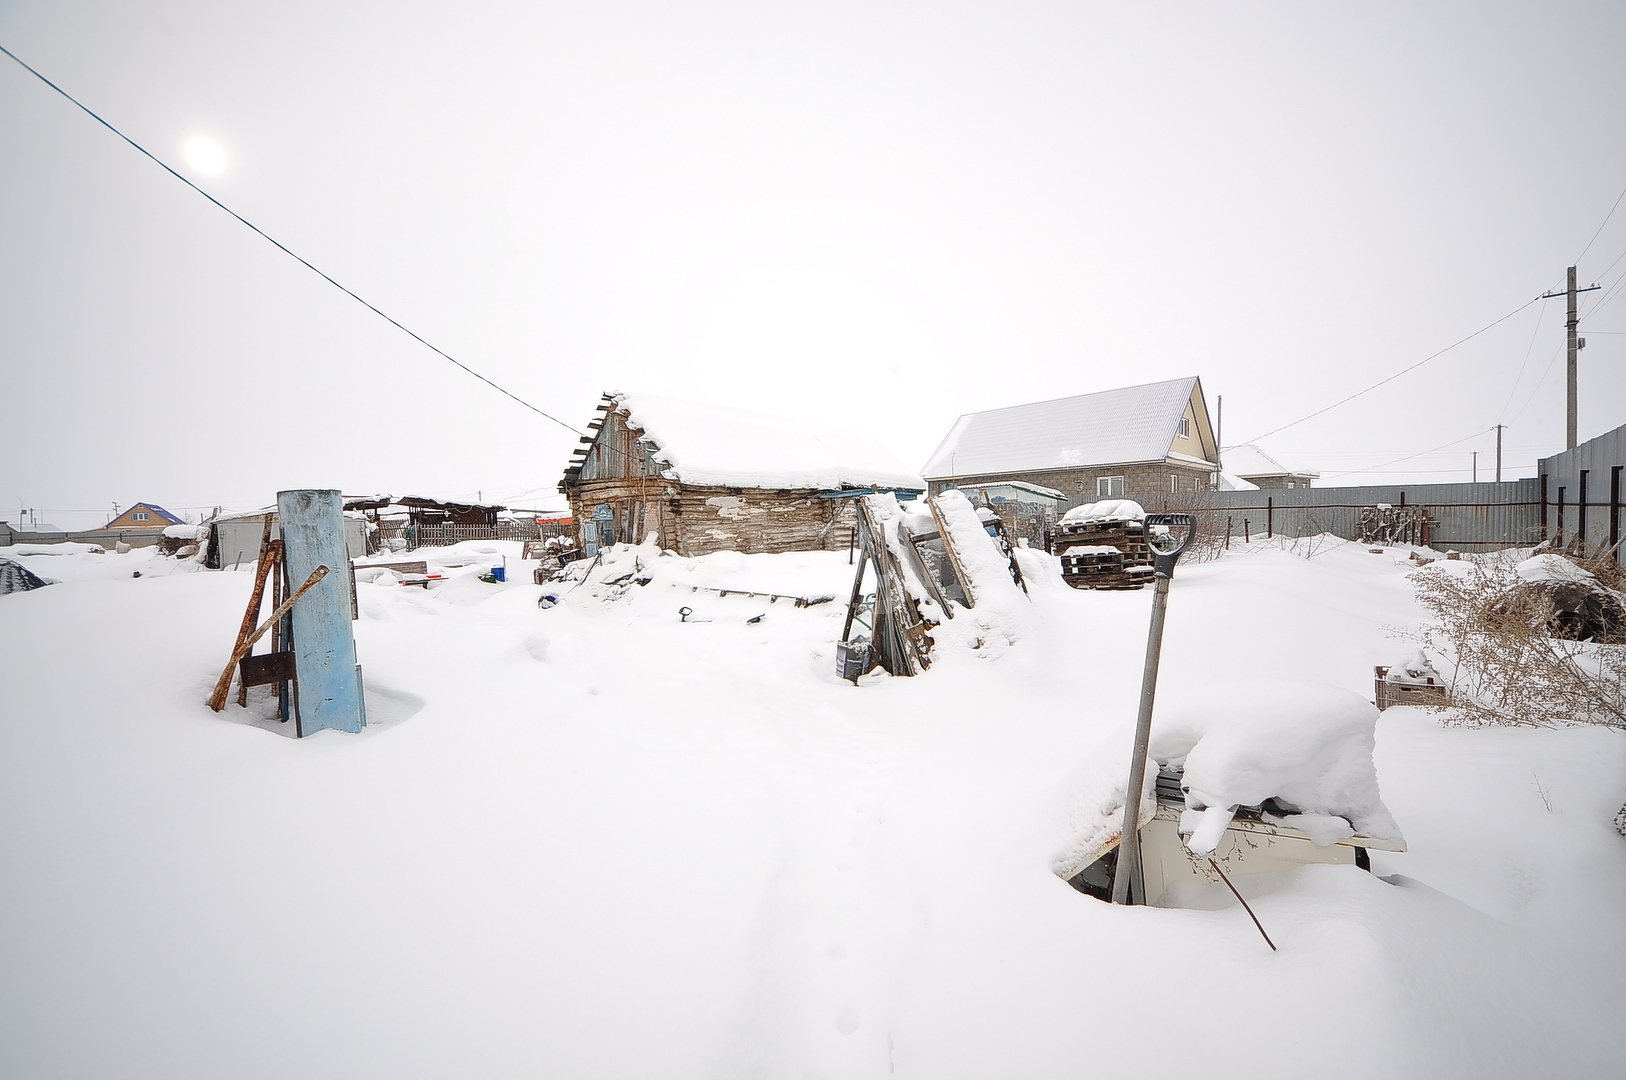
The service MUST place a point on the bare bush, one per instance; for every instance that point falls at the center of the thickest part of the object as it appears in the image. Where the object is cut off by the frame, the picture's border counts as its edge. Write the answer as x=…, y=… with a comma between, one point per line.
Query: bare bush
x=1514, y=653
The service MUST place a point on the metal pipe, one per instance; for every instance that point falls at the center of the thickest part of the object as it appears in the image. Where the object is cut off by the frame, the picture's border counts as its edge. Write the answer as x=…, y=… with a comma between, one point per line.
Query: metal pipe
x=1128, y=865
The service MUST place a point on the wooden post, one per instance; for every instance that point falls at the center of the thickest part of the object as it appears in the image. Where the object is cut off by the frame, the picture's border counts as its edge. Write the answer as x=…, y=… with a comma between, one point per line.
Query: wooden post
x=268, y=560
x=1570, y=379
x=217, y=700
x=330, y=694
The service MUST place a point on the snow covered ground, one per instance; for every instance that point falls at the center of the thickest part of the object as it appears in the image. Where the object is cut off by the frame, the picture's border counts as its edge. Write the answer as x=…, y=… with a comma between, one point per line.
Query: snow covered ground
x=594, y=840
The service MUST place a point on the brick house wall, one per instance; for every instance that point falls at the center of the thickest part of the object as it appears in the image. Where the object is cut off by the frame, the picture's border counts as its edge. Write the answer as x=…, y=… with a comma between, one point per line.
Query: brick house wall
x=1142, y=483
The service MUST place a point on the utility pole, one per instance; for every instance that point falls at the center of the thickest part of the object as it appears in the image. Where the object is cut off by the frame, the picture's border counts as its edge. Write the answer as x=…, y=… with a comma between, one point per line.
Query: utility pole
x=1476, y=466
x=1498, y=453
x=1575, y=345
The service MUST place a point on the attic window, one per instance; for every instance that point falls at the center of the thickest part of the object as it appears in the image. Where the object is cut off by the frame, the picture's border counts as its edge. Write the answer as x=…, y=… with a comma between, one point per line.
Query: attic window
x=1185, y=427
x=141, y=515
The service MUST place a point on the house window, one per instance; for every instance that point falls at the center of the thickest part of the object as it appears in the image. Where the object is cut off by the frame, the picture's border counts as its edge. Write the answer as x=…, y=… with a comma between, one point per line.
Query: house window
x=1185, y=427
x=1174, y=483
x=1109, y=487
x=142, y=515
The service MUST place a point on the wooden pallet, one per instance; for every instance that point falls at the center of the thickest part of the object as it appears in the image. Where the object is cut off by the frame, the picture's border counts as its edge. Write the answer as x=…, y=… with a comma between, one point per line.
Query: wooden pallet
x=1126, y=578
x=1128, y=566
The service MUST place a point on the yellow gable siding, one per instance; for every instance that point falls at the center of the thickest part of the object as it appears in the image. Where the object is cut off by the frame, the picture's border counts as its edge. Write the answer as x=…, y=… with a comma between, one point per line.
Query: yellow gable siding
x=127, y=520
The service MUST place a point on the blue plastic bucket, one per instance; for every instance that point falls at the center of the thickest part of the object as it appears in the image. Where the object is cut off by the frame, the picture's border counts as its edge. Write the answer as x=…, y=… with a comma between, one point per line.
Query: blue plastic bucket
x=500, y=573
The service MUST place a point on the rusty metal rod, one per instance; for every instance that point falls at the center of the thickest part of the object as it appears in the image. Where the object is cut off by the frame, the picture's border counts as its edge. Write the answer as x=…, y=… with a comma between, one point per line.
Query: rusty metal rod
x=1244, y=904
x=217, y=700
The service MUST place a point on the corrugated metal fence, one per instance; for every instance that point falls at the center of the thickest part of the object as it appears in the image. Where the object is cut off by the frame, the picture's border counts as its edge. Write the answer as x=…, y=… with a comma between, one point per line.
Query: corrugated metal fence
x=1466, y=517
x=1574, y=500
x=1581, y=492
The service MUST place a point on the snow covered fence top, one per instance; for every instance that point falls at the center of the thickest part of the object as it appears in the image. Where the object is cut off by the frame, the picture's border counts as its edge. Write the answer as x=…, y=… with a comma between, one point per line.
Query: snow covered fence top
x=716, y=446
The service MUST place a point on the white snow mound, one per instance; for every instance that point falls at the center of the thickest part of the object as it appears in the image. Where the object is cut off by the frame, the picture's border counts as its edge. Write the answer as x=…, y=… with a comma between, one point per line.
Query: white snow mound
x=1551, y=567
x=1308, y=745
x=1106, y=510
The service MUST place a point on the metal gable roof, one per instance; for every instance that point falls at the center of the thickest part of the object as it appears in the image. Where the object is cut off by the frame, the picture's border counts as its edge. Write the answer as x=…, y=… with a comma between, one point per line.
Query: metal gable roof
x=1249, y=460
x=1111, y=427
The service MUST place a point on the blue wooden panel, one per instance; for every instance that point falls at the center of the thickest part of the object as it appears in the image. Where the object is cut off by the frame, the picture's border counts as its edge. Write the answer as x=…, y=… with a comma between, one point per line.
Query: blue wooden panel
x=325, y=649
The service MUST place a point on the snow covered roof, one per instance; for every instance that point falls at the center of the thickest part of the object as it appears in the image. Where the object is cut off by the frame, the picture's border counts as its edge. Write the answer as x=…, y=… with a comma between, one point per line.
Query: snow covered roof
x=713, y=445
x=1231, y=482
x=1111, y=427
x=1248, y=460
x=1019, y=485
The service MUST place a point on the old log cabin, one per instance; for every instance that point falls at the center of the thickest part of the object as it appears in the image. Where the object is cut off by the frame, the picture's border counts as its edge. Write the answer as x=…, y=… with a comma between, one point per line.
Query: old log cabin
x=707, y=478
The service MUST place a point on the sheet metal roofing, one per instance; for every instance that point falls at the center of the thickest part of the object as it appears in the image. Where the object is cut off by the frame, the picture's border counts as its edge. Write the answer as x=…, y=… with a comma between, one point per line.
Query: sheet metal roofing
x=1111, y=427
x=1248, y=460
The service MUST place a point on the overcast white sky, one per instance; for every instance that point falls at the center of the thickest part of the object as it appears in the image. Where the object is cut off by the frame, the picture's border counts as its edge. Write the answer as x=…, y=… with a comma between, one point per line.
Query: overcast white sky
x=884, y=213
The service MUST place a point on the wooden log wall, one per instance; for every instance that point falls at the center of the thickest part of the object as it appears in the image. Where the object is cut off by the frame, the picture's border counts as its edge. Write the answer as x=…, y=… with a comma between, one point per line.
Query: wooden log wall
x=694, y=520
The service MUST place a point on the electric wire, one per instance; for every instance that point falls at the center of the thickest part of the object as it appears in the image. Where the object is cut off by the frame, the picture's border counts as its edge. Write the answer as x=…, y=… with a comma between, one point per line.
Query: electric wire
x=1408, y=457
x=1541, y=313
x=283, y=248
x=1537, y=388
x=1606, y=218
x=1391, y=378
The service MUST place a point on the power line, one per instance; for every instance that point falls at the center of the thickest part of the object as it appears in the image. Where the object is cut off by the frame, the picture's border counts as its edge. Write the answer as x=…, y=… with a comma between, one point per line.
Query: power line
x=1606, y=218
x=1396, y=375
x=1537, y=389
x=283, y=248
x=1541, y=313
x=1408, y=457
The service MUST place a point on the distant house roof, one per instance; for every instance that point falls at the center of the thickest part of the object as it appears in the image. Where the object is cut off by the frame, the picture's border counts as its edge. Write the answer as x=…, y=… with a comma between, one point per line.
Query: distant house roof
x=1112, y=427
x=1248, y=460
x=163, y=516
x=717, y=446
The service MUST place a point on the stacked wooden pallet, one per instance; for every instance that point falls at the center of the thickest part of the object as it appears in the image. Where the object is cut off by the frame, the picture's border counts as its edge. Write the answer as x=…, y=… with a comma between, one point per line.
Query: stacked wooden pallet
x=1102, y=554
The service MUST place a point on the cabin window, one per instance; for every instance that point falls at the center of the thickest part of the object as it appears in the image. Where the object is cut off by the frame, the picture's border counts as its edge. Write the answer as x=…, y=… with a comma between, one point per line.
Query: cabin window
x=141, y=515
x=1109, y=487
x=1185, y=427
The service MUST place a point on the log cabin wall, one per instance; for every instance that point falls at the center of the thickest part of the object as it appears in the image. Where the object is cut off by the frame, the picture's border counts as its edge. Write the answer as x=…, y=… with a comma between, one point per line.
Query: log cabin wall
x=694, y=520
x=617, y=495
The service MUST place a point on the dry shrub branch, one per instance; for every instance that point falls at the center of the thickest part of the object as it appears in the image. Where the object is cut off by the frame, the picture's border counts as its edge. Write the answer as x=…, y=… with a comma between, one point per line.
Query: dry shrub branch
x=1514, y=651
